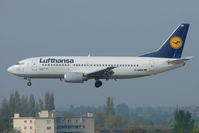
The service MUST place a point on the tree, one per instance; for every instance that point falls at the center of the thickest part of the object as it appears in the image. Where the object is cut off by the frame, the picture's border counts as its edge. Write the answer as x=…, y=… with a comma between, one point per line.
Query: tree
x=157, y=131
x=138, y=121
x=4, y=108
x=24, y=106
x=17, y=102
x=123, y=109
x=183, y=123
x=11, y=105
x=14, y=131
x=49, y=101
x=4, y=115
x=41, y=105
x=196, y=130
x=115, y=122
x=47, y=97
x=136, y=130
x=32, y=105
x=99, y=119
x=109, y=108
x=72, y=108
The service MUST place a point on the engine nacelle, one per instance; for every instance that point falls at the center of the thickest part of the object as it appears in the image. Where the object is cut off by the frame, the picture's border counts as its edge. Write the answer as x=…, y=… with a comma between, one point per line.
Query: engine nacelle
x=74, y=77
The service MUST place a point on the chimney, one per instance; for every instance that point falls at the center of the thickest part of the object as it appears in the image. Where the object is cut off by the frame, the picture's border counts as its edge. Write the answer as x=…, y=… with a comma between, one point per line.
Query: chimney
x=16, y=115
x=90, y=114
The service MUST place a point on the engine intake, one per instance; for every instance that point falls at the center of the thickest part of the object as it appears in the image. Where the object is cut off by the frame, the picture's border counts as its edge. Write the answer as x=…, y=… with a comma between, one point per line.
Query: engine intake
x=74, y=77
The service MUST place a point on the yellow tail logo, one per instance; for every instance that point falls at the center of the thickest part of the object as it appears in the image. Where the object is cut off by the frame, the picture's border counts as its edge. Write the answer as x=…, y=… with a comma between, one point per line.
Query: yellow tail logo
x=176, y=42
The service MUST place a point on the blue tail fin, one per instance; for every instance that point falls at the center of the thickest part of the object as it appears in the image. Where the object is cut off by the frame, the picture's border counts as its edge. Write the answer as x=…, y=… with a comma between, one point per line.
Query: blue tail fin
x=173, y=46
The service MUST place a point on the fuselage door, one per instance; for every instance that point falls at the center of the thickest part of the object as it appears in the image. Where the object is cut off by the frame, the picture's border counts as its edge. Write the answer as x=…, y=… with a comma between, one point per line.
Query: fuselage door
x=34, y=65
x=151, y=65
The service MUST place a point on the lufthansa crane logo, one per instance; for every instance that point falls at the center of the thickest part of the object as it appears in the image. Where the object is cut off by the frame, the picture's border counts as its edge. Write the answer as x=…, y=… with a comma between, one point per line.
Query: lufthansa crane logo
x=176, y=42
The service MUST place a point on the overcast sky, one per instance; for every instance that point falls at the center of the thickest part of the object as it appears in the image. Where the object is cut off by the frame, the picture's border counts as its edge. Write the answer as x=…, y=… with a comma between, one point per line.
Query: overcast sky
x=105, y=27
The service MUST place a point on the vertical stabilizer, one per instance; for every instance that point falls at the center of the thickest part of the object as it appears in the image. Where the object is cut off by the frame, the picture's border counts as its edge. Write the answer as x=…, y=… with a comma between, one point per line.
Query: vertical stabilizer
x=173, y=46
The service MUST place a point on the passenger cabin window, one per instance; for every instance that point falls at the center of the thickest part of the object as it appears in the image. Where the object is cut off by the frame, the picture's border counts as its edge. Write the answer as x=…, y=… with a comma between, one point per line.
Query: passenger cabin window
x=48, y=121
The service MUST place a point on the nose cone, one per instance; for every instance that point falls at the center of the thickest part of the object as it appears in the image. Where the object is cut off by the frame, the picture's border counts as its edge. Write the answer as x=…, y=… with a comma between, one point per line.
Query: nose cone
x=11, y=69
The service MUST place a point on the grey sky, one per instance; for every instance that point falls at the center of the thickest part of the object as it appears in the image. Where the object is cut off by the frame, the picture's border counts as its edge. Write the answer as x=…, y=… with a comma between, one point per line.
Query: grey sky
x=112, y=28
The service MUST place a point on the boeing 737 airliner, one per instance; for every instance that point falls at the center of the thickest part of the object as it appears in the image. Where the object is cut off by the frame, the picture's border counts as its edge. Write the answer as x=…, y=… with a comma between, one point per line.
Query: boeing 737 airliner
x=77, y=69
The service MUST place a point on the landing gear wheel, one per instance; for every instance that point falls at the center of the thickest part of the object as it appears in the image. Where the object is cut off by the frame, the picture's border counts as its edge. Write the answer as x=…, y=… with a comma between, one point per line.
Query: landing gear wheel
x=29, y=83
x=98, y=83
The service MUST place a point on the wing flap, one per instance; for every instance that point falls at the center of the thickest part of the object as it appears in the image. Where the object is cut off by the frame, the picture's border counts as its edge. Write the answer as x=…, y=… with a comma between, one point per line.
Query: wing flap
x=102, y=73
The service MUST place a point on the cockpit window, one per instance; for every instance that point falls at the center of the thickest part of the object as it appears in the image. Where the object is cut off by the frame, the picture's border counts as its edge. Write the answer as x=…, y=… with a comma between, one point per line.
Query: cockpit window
x=19, y=63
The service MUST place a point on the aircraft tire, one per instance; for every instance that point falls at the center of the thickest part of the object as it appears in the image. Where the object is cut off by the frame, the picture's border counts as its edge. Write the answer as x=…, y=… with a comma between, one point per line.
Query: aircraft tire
x=29, y=83
x=98, y=83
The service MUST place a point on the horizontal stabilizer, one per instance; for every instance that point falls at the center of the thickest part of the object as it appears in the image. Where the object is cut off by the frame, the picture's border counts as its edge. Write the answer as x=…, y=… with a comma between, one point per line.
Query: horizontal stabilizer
x=179, y=61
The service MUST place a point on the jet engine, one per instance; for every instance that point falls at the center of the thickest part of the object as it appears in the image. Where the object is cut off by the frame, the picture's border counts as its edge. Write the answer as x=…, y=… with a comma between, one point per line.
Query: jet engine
x=74, y=77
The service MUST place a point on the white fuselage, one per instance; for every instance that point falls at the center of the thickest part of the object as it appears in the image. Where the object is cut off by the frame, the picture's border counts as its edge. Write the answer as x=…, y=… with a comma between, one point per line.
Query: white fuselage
x=125, y=67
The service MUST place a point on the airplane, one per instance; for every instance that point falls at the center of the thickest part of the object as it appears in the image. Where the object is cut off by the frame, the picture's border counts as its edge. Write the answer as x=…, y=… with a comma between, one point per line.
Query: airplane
x=77, y=69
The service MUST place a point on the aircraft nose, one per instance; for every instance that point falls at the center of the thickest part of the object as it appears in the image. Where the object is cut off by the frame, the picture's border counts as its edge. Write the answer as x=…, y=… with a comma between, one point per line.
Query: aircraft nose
x=11, y=69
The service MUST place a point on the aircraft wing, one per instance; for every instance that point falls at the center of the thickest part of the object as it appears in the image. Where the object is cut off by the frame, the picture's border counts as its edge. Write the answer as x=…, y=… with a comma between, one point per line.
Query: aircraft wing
x=102, y=73
x=179, y=61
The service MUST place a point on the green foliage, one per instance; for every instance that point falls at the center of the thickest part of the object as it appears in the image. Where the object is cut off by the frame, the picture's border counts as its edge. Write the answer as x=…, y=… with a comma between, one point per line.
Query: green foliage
x=99, y=119
x=157, y=131
x=183, y=123
x=196, y=130
x=32, y=105
x=115, y=122
x=11, y=105
x=49, y=101
x=136, y=130
x=68, y=114
x=26, y=106
x=14, y=131
x=47, y=97
x=4, y=115
x=139, y=121
x=109, y=108
x=4, y=111
x=122, y=109
x=17, y=101
x=4, y=123
x=111, y=120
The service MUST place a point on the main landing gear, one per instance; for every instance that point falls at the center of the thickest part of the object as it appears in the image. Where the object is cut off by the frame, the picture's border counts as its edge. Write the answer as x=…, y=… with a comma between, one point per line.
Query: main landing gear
x=98, y=83
x=29, y=83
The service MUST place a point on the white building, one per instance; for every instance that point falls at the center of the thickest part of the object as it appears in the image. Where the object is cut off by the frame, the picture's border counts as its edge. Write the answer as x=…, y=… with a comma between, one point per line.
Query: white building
x=45, y=123
x=84, y=124
x=48, y=123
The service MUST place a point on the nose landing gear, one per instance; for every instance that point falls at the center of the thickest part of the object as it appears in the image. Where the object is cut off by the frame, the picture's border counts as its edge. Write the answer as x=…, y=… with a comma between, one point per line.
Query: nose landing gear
x=29, y=81
x=98, y=83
